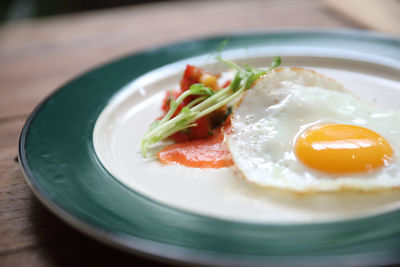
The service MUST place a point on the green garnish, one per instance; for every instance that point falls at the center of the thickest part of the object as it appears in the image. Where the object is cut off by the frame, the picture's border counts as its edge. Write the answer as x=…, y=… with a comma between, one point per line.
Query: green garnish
x=207, y=102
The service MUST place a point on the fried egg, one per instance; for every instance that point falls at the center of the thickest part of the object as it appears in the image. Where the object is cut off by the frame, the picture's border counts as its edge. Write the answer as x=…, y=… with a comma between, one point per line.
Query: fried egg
x=302, y=131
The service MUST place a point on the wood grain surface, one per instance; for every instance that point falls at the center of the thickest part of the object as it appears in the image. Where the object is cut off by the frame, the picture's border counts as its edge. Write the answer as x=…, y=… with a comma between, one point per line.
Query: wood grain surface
x=37, y=56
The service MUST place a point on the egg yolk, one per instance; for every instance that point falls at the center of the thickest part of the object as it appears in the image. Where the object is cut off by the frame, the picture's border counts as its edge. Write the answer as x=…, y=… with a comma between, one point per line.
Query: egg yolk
x=342, y=149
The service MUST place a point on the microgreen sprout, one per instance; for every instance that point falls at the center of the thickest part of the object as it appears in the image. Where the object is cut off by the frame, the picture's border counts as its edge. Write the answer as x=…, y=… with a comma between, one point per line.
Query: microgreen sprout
x=207, y=101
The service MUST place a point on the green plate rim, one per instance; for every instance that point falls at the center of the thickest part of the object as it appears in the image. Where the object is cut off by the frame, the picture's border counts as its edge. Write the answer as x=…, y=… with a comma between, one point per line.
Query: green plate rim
x=42, y=171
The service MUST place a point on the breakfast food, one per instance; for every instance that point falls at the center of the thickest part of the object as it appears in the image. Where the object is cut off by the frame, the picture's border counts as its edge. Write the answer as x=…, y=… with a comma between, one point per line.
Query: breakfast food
x=290, y=128
x=200, y=98
x=201, y=145
x=207, y=125
x=298, y=130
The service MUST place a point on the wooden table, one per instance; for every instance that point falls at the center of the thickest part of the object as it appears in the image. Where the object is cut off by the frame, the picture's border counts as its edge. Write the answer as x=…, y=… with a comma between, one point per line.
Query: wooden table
x=37, y=56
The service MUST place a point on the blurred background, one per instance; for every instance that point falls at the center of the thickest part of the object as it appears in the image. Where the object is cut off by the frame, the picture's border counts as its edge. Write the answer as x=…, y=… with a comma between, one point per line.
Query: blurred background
x=375, y=14
x=46, y=43
x=22, y=9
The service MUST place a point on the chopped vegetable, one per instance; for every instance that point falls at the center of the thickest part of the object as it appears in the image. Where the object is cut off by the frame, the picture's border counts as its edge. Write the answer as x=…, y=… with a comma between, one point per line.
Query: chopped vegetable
x=207, y=100
x=205, y=125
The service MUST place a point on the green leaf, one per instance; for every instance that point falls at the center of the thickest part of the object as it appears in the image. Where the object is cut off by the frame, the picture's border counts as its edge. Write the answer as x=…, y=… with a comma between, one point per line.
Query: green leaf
x=207, y=102
x=252, y=78
x=276, y=63
x=235, y=83
x=200, y=89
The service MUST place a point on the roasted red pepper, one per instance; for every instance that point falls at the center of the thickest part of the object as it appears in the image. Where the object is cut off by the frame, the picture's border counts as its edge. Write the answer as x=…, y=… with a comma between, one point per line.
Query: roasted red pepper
x=205, y=125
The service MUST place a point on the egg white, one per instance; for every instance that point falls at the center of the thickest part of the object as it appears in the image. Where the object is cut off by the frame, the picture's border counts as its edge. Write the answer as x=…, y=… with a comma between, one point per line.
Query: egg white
x=283, y=104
